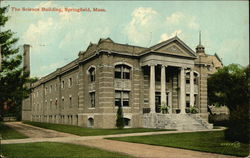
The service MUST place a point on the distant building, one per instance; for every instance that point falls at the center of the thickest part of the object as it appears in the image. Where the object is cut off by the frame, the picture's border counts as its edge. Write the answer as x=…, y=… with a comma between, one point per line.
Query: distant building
x=87, y=91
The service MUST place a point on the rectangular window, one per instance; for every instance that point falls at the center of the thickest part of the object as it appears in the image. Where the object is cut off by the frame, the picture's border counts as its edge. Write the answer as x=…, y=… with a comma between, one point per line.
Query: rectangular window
x=70, y=101
x=92, y=76
x=126, y=73
x=118, y=98
x=195, y=99
x=121, y=98
x=118, y=72
x=125, y=98
x=92, y=99
x=122, y=72
x=56, y=103
x=195, y=81
x=70, y=82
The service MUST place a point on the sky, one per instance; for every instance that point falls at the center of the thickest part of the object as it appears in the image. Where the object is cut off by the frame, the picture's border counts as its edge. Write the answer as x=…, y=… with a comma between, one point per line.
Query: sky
x=56, y=36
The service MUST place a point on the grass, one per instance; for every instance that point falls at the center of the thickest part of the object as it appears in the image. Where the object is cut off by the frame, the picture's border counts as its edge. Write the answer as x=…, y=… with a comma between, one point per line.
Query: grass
x=202, y=141
x=89, y=131
x=55, y=150
x=9, y=133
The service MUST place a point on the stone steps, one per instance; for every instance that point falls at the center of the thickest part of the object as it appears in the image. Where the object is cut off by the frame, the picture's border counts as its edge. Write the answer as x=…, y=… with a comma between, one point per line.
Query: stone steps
x=175, y=121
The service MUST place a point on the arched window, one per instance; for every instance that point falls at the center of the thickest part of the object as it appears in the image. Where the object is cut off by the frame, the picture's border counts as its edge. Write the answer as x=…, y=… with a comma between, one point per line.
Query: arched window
x=91, y=73
x=122, y=71
x=90, y=122
x=196, y=76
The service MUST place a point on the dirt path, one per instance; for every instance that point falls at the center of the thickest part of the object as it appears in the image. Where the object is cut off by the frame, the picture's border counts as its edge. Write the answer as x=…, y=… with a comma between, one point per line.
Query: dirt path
x=36, y=132
x=144, y=150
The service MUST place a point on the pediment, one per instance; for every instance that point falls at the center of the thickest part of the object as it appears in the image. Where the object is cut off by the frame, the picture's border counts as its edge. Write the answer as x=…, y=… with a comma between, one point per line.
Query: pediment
x=172, y=49
x=174, y=46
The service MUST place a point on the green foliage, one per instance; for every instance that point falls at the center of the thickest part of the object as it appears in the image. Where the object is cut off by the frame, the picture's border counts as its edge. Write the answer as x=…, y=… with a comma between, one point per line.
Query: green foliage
x=202, y=141
x=229, y=86
x=89, y=131
x=12, y=77
x=164, y=108
x=55, y=150
x=119, y=118
x=193, y=110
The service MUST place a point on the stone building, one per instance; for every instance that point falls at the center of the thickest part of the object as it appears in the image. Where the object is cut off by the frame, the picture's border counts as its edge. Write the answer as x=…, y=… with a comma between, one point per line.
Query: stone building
x=87, y=91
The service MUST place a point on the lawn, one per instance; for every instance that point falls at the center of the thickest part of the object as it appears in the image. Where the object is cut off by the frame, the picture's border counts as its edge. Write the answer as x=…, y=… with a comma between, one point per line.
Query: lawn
x=55, y=150
x=89, y=131
x=9, y=133
x=202, y=141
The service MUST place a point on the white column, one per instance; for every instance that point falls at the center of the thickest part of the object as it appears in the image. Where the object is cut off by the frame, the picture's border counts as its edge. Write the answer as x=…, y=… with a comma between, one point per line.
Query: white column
x=152, y=89
x=182, y=91
x=191, y=87
x=163, y=84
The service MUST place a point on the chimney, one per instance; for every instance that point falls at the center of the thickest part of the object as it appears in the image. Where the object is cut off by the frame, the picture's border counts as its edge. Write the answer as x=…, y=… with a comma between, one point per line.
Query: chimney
x=26, y=58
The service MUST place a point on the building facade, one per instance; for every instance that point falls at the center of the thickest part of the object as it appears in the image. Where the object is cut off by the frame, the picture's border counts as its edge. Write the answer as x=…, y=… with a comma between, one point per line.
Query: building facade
x=88, y=91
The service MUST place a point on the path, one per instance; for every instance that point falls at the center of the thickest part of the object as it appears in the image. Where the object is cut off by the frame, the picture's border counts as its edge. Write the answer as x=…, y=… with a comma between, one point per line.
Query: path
x=144, y=150
x=134, y=149
x=36, y=132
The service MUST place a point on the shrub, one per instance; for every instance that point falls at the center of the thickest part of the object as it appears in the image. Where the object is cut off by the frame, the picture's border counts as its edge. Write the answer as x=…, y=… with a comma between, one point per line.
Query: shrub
x=164, y=108
x=238, y=127
x=193, y=110
x=119, y=118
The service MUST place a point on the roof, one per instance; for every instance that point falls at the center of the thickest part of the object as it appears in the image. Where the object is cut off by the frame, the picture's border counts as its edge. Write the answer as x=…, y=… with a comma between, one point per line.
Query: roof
x=176, y=39
x=107, y=44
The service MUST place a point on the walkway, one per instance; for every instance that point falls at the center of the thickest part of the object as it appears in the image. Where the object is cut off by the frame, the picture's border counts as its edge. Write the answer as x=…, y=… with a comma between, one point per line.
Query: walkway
x=36, y=132
x=134, y=149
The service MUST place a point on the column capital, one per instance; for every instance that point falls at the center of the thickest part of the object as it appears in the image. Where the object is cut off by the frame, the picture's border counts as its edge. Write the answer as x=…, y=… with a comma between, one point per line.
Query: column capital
x=182, y=68
x=151, y=64
x=164, y=66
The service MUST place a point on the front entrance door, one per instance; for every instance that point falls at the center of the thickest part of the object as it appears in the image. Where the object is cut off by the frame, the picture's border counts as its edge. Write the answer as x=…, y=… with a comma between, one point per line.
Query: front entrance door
x=157, y=102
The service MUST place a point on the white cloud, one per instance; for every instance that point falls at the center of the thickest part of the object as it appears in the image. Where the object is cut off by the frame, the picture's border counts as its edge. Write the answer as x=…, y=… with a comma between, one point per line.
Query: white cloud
x=181, y=19
x=143, y=16
x=145, y=23
x=36, y=31
x=165, y=36
x=142, y=24
x=175, y=18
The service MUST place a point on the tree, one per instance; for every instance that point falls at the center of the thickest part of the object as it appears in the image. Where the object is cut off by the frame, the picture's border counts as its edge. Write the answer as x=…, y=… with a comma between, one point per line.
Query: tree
x=12, y=77
x=229, y=86
x=119, y=118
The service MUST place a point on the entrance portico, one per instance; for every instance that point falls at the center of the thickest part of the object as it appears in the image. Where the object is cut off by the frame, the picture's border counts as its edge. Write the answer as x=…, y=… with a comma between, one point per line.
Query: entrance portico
x=168, y=56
